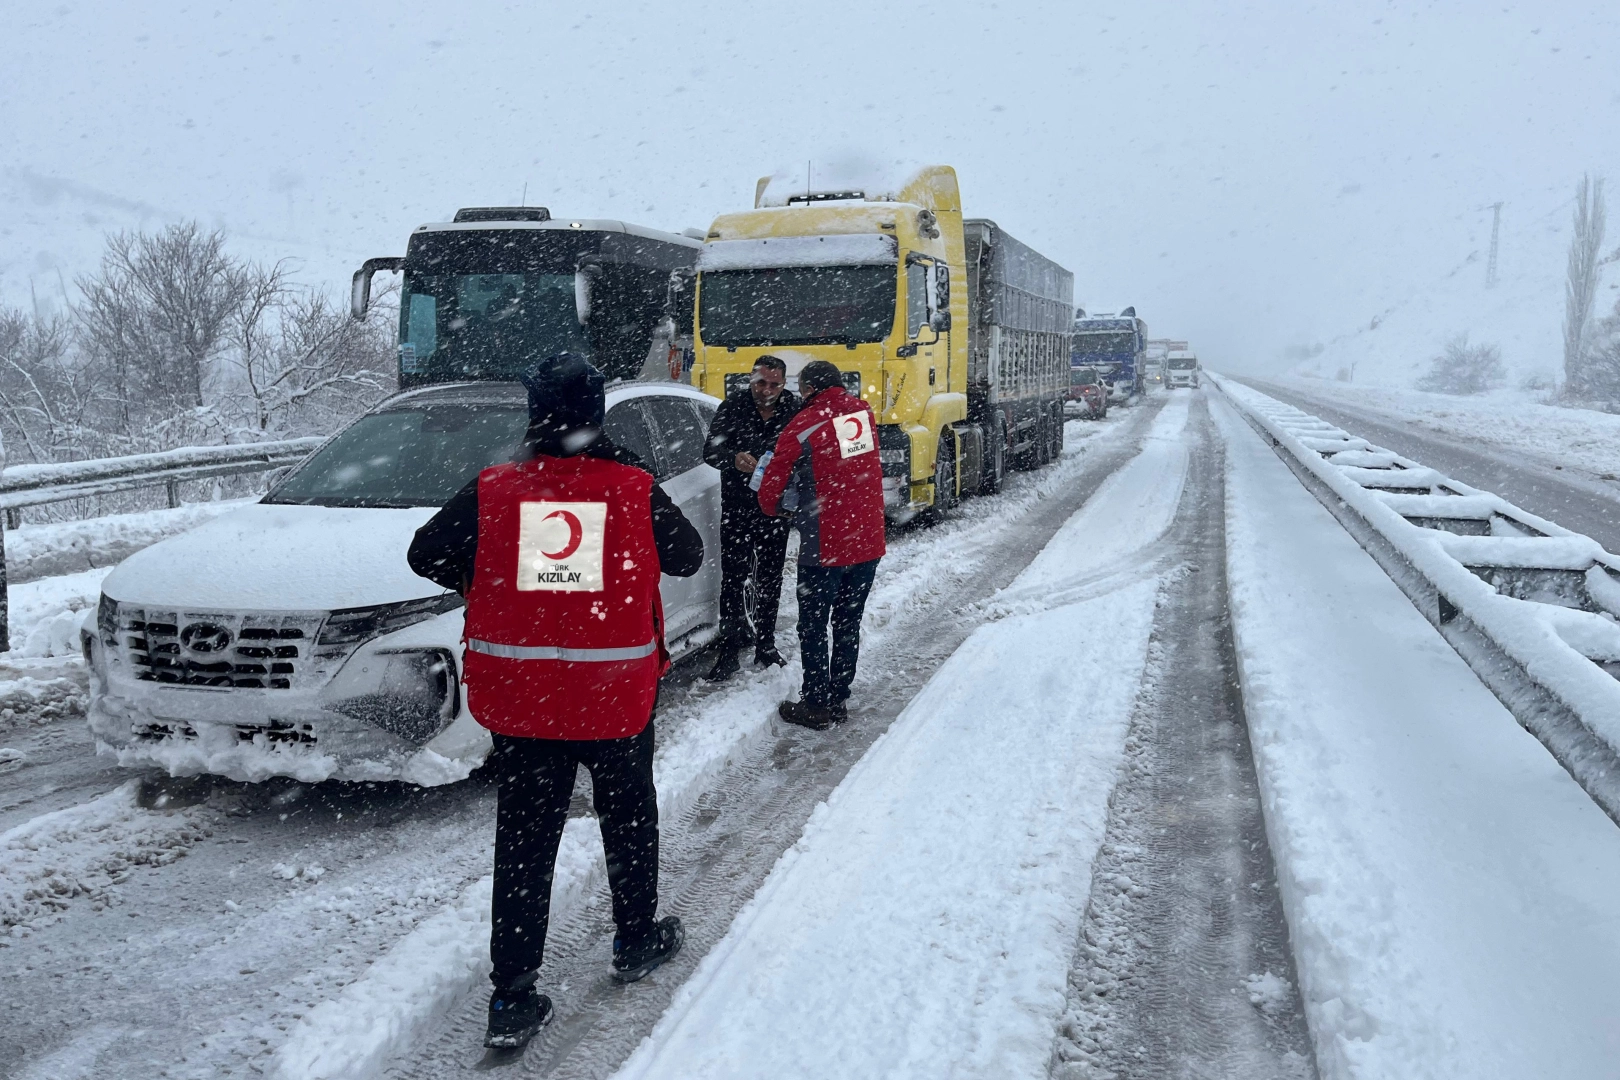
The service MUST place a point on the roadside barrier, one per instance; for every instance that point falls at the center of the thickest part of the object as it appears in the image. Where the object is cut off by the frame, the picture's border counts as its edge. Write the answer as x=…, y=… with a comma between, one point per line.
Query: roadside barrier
x=37, y=485
x=1530, y=606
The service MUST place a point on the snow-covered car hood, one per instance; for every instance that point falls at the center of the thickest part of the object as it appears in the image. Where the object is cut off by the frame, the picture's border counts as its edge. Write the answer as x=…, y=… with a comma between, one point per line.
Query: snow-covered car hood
x=268, y=557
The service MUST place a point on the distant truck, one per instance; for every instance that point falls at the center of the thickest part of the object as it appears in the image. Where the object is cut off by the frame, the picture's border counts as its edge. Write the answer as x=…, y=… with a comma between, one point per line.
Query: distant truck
x=1116, y=345
x=1181, y=365
x=956, y=334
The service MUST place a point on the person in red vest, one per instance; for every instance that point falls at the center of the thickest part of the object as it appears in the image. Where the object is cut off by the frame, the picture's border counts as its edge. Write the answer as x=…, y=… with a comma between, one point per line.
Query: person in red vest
x=827, y=459
x=559, y=554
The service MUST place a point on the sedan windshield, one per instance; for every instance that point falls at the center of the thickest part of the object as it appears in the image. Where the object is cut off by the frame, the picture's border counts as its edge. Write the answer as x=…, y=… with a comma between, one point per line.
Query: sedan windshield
x=806, y=305
x=405, y=457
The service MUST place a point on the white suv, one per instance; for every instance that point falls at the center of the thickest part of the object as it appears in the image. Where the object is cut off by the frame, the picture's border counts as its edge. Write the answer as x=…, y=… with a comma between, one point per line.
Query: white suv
x=290, y=638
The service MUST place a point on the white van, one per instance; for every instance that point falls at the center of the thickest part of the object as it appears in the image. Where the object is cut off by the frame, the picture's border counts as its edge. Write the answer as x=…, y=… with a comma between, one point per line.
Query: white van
x=1181, y=368
x=290, y=638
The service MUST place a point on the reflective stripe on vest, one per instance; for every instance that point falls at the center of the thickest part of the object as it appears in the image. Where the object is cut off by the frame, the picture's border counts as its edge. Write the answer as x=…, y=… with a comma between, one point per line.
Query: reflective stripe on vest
x=552, y=652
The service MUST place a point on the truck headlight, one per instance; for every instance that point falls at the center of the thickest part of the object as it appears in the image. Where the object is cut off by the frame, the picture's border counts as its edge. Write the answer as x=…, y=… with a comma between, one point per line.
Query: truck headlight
x=412, y=693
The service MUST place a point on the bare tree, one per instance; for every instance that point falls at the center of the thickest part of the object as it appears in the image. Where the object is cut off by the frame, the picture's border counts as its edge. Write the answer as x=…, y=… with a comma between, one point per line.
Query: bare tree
x=303, y=364
x=158, y=313
x=1580, y=289
x=46, y=392
x=1461, y=368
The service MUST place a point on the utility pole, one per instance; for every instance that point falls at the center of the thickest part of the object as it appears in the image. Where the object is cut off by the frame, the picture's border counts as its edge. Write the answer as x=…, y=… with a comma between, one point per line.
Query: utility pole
x=1496, y=232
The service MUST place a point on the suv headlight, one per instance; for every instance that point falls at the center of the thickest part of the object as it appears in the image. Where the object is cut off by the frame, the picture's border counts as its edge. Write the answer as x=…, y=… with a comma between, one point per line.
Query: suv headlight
x=413, y=693
x=349, y=627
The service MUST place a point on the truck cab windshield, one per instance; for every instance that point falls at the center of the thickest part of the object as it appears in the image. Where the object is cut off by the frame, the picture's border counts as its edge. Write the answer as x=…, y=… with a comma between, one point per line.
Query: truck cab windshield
x=405, y=457
x=804, y=305
x=1122, y=343
x=486, y=326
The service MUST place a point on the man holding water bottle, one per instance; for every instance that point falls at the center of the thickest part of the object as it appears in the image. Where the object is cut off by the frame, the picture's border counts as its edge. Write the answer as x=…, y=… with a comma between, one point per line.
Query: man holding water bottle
x=824, y=473
x=745, y=428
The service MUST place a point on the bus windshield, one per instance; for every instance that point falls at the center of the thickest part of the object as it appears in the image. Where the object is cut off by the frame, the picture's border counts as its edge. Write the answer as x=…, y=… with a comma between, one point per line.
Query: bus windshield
x=486, y=326
x=805, y=305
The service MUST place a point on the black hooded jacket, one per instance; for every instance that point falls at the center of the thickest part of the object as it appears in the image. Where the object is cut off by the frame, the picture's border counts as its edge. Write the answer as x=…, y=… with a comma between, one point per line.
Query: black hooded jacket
x=565, y=411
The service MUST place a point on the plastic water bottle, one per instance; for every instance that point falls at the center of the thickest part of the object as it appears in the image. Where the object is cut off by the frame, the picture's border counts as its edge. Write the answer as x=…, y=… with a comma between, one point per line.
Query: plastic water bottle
x=759, y=469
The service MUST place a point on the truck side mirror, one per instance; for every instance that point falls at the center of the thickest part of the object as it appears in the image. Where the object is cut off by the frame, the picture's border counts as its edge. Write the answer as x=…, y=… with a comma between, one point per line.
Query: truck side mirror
x=941, y=321
x=360, y=287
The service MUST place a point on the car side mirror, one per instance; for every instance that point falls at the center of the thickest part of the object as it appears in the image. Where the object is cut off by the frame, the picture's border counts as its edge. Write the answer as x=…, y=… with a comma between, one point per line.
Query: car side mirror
x=360, y=286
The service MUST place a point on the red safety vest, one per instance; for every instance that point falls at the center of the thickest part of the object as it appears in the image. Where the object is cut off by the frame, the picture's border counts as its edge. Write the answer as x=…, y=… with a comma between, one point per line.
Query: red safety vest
x=565, y=628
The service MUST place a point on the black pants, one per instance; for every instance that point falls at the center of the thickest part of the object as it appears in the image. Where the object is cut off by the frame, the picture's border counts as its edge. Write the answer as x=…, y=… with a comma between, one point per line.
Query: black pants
x=536, y=783
x=835, y=594
x=751, y=543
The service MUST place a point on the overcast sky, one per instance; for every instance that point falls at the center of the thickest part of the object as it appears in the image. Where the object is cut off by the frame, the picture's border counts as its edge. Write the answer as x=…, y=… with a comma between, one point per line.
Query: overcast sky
x=1249, y=175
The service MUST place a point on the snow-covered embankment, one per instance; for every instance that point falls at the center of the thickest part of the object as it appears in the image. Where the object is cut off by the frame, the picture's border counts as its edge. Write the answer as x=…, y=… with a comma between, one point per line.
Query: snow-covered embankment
x=1450, y=890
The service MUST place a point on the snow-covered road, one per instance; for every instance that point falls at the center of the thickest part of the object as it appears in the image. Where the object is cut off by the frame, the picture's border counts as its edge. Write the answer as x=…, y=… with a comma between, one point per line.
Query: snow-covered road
x=923, y=924
x=249, y=953
x=1450, y=890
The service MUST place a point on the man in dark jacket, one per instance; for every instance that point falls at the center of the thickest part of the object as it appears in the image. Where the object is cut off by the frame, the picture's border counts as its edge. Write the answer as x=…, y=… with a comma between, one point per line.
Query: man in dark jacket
x=828, y=456
x=745, y=426
x=536, y=546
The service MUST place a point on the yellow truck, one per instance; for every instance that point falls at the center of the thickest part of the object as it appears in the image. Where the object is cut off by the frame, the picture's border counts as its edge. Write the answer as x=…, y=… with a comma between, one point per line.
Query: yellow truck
x=955, y=333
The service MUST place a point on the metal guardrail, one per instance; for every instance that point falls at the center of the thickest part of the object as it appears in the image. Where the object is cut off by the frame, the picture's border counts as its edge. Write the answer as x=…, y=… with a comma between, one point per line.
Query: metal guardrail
x=1530, y=606
x=39, y=485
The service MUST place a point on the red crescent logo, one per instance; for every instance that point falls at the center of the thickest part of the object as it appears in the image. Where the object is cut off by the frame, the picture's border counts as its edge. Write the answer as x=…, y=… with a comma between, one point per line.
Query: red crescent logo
x=859, y=427
x=576, y=533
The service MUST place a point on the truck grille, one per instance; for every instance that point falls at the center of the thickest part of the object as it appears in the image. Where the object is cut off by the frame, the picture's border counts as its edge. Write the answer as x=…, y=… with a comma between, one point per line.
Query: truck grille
x=178, y=648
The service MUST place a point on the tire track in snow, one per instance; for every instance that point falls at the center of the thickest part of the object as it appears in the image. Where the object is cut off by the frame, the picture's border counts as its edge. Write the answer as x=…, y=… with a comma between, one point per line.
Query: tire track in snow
x=1184, y=967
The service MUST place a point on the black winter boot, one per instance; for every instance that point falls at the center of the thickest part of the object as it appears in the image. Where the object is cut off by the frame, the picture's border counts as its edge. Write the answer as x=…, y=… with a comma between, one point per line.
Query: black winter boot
x=767, y=656
x=726, y=664
x=514, y=1016
x=632, y=963
x=813, y=717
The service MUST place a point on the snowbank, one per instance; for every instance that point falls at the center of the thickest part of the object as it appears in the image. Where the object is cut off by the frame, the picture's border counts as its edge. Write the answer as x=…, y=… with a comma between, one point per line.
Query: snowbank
x=925, y=922
x=36, y=551
x=1533, y=636
x=1450, y=890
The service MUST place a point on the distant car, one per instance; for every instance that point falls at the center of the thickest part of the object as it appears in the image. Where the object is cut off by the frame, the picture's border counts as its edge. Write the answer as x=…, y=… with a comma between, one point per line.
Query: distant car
x=291, y=638
x=1181, y=367
x=1087, y=397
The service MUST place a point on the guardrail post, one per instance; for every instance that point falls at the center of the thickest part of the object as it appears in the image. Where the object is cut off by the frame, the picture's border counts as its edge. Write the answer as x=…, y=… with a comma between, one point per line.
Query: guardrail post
x=5, y=597
x=173, y=489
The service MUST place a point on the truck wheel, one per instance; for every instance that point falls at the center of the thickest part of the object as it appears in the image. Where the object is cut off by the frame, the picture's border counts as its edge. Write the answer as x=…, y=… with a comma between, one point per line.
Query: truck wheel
x=1043, y=440
x=995, y=457
x=1059, y=432
x=944, y=480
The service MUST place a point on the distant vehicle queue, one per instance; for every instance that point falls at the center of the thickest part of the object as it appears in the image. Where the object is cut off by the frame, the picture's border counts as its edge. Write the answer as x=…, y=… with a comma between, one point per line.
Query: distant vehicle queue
x=314, y=652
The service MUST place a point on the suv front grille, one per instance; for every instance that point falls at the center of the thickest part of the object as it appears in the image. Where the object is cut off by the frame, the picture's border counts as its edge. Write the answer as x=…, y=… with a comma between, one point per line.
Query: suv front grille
x=183, y=648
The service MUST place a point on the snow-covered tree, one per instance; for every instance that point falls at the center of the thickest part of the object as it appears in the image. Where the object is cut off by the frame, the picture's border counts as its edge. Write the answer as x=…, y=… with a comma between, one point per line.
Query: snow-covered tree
x=1461, y=368
x=1580, y=288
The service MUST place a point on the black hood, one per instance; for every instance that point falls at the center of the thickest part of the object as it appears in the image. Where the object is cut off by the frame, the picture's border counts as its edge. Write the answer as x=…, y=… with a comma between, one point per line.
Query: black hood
x=566, y=405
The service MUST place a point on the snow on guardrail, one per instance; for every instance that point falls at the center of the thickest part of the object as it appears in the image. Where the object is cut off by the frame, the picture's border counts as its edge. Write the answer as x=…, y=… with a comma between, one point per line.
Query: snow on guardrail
x=33, y=485
x=1531, y=606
